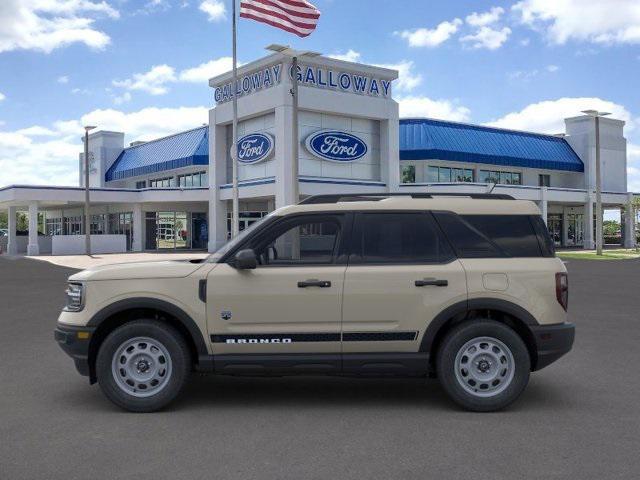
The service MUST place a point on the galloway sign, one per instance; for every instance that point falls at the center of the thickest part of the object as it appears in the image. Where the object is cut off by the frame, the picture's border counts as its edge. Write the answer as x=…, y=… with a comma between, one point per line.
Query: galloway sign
x=336, y=146
x=248, y=84
x=255, y=147
x=331, y=79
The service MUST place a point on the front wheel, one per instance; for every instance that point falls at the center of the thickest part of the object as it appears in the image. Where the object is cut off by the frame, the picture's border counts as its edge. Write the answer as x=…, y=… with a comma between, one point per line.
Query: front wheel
x=143, y=365
x=483, y=365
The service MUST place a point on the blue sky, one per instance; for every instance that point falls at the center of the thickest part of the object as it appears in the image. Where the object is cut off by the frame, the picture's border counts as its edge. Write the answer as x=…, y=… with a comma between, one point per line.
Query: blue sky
x=141, y=66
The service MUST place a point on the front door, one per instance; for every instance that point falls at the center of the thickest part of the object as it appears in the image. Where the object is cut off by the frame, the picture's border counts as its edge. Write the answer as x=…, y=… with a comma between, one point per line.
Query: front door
x=401, y=274
x=291, y=303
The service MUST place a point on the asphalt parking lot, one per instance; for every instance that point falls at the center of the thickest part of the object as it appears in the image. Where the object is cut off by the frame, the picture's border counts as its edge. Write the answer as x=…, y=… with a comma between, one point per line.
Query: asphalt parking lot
x=579, y=418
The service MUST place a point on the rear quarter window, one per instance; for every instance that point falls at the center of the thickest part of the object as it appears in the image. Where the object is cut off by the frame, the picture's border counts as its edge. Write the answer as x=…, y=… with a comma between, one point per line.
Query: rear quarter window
x=488, y=236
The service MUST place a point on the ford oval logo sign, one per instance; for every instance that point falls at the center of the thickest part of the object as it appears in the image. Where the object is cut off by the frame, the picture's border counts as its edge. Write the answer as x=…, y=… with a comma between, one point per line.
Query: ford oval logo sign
x=336, y=146
x=255, y=148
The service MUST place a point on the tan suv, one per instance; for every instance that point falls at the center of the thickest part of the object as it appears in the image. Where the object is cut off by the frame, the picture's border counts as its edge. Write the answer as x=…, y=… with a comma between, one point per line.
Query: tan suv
x=465, y=288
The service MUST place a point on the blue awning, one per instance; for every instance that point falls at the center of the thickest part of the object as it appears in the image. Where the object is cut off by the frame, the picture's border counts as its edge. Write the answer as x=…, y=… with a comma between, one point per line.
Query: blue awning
x=183, y=149
x=427, y=139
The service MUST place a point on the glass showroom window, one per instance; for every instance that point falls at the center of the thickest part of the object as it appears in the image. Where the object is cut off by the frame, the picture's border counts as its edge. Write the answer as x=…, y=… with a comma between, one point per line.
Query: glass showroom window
x=198, y=179
x=447, y=174
x=54, y=226
x=408, y=174
x=162, y=182
x=98, y=223
x=504, y=178
x=142, y=184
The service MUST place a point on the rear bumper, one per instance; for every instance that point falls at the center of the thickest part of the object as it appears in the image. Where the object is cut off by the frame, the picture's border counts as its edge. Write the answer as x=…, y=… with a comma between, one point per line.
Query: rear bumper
x=552, y=342
x=75, y=343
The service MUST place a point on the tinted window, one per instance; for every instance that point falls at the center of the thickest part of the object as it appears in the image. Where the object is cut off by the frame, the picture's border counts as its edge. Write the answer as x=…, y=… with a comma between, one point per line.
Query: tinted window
x=399, y=238
x=300, y=242
x=544, y=238
x=514, y=234
x=467, y=241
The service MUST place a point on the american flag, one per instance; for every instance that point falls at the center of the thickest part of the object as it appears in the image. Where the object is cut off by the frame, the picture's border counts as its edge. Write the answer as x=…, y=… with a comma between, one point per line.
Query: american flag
x=294, y=16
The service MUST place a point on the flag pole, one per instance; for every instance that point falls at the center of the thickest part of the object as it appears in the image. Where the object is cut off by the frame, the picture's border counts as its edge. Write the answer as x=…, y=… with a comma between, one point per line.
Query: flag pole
x=295, y=193
x=235, y=221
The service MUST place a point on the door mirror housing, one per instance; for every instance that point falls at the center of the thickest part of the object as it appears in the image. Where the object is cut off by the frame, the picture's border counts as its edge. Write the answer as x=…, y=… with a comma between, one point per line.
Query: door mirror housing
x=245, y=260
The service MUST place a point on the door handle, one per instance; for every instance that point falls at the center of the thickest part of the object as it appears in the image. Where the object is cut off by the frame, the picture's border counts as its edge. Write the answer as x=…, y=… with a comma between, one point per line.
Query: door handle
x=314, y=283
x=431, y=282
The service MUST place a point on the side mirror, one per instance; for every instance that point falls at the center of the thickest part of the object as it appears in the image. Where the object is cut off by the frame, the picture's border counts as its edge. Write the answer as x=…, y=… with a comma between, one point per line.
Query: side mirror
x=246, y=260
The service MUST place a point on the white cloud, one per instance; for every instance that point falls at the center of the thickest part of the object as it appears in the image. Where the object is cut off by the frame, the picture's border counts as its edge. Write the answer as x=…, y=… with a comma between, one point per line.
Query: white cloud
x=548, y=116
x=203, y=72
x=214, y=9
x=120, y=99
x=349, y=56
x=595, y=21
x=424, y=37
x=552, y=68
x=526, y=75
x=486, y=18
x=2, y=96
x=407, y=78
x=154, y=81
x=45, y=25
x=487, y=37
x=420, y=106
x=63, y=79
x=525, y=42
x=48, y=155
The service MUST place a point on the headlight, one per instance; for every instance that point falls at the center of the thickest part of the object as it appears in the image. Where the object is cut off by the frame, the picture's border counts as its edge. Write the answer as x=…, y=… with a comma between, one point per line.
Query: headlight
x=75, y=297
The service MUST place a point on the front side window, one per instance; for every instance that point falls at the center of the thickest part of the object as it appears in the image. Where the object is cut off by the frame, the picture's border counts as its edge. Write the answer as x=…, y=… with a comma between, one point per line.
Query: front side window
x=398, y=238
x=301, y=241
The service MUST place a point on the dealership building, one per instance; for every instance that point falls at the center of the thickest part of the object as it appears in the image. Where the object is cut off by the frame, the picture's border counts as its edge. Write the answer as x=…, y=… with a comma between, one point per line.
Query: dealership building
x=175, y=193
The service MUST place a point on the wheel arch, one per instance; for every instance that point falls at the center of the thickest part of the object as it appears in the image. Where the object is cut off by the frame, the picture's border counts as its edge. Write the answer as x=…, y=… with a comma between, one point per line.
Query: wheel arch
x=502, y=311
x=123, y=311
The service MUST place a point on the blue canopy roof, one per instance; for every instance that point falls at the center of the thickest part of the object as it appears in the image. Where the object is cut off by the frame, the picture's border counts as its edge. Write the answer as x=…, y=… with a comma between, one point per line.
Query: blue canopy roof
x=183, y=149
x=426, y=139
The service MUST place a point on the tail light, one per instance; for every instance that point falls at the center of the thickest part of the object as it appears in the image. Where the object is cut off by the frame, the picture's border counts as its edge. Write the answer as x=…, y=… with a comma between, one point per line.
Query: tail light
x=562, y=289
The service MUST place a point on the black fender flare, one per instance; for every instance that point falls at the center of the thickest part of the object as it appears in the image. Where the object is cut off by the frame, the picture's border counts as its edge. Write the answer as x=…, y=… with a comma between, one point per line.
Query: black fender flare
x=464, y=307
x=153, y=303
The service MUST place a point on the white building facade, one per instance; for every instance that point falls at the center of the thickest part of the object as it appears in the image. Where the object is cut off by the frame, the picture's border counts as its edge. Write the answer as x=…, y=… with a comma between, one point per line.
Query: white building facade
x=175, y=193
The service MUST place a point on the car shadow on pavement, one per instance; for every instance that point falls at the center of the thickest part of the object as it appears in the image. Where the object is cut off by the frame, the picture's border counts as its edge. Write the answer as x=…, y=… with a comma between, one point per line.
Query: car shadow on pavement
x=253, y=393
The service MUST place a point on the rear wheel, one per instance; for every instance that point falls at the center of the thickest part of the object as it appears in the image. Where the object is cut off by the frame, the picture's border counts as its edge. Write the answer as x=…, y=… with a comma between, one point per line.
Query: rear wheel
x=483, y=365
x=143, y=365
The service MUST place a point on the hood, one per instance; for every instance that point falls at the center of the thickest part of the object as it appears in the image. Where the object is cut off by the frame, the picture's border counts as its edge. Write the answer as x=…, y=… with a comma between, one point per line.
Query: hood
x=138, y=270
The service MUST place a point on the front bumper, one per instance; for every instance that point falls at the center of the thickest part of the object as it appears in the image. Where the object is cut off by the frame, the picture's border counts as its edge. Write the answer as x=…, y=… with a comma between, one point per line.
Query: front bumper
x=75, y=343
x=552, y=342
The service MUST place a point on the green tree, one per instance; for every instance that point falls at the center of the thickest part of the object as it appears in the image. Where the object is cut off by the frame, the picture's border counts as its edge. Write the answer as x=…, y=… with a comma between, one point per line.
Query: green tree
x=3, y=220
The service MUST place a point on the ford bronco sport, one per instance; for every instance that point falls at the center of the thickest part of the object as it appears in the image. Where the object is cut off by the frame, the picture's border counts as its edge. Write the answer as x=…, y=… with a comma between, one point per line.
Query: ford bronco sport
x=463, y=287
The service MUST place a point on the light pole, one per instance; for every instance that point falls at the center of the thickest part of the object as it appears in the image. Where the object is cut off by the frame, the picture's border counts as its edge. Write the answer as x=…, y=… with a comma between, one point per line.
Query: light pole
x=295, y=145
x=596, y=114
x=87, y=217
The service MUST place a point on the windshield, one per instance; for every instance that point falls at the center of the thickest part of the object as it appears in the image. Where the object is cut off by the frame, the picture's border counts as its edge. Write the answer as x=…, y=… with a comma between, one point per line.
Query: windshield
x=231, y=244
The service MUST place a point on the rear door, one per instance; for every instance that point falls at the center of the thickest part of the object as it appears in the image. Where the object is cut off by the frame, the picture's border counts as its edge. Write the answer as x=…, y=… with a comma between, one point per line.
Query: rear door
x=402, y=272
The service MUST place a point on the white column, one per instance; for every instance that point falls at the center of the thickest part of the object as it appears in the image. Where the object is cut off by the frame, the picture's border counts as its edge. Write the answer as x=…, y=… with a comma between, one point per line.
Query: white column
x=284, y=157
x=218, y=209
x=12, y=245
x=629, y=223
x=390, y=152
x=138, y=220
x=589, y=241
x=33, y=248
x=543, y=204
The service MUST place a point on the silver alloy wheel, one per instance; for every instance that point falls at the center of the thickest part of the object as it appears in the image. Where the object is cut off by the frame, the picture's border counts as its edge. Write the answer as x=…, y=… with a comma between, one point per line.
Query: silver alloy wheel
x=141, y=366
x=484, y=366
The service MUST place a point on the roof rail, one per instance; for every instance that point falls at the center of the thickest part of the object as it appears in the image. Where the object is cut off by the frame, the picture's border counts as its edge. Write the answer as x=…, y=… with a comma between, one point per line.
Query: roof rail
x=370, y=197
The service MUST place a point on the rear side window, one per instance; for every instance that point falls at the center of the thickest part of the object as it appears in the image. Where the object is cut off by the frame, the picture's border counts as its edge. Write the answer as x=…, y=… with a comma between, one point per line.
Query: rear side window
x=399, y=238
x=467, y=241
x=476, y=236
x=514, y=234
x=544, y=237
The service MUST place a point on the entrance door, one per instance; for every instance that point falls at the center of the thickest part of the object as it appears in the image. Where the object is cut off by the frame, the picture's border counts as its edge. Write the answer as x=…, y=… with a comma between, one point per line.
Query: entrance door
x=292, y=298
x=401, y=274
x=554, y=225
x=575, y=229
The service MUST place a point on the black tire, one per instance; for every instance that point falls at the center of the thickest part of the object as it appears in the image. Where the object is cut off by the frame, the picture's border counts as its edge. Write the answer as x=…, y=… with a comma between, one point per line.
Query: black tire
x=176, y=348
x=452, y=344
